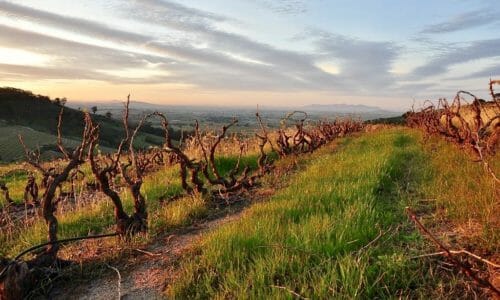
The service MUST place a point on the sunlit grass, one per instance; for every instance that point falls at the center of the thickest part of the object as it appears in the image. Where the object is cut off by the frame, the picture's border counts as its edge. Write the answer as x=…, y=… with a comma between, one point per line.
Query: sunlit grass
x=310, y=237
x=464, y=192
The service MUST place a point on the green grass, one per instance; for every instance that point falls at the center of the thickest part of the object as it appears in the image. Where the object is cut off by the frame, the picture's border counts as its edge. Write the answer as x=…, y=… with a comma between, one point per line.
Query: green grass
x=464, y=193
x=310, y=237
x=15, y=177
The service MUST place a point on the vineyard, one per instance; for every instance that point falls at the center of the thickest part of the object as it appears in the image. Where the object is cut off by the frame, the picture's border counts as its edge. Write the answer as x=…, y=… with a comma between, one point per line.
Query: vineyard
x=311, y=210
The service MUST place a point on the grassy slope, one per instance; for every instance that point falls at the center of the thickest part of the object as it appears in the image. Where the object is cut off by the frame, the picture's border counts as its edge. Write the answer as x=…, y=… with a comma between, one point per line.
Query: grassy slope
x=12, y=150
x=310, y=237
x=463, y=193
x=36, y=117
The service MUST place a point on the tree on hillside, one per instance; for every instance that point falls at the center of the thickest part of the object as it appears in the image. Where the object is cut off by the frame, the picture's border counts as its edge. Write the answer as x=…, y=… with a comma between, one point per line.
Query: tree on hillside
x=60, y=101
x=94, y=109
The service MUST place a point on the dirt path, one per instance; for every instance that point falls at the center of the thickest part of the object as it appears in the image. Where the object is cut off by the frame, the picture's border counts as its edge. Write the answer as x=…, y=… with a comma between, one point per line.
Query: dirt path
x=146, y=275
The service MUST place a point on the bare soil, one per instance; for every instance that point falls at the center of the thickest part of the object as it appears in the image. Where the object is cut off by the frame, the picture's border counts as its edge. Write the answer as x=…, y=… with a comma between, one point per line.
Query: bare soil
x=147, y=271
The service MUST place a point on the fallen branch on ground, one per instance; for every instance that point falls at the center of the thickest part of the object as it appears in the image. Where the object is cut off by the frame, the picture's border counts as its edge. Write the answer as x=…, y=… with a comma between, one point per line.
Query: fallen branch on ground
x=290, y=291
x=119, y=280
x=147, y=252
x=467, y=270
x=494, y=265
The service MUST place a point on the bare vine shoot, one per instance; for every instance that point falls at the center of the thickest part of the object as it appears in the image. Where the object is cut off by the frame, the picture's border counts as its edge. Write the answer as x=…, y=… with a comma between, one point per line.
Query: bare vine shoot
x=473, y=123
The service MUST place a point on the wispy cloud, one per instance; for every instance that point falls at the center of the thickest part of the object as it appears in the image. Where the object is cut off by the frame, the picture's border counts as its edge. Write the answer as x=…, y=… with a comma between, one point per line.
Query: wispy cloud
x=222, y=41
x=182, y=13
x=488, y=72
x=227, y=61
x=472, y=51
x=66, y=53
x=257, y=65
x=464, y=21
x=284, y=6
x=362, y=60
x=72, y=24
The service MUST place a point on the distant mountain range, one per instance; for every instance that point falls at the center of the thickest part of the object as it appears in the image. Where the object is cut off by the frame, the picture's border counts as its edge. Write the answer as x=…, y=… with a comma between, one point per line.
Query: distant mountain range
x=347, y=108
x=102, y=106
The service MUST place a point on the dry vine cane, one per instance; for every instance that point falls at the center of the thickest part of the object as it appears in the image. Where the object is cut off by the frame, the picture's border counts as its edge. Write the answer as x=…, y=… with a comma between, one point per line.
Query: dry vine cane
x=309, y=138
x=17, y=280
x=132, y=165
x=446, y=252
x=133, y=172
x=185, y=163
x=31, y=191
x=231, y=182
x=298, y=142
x=5, y=191
x=482, y=136
x=263, y=161
x=54, y=179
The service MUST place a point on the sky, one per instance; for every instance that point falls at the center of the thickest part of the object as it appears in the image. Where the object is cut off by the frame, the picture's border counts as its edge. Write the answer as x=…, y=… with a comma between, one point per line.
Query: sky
x=386, y=53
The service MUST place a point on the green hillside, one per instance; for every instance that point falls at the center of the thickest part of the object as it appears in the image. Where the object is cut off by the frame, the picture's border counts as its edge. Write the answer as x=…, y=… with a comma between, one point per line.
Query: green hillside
x=35, y=117
x=11, y=149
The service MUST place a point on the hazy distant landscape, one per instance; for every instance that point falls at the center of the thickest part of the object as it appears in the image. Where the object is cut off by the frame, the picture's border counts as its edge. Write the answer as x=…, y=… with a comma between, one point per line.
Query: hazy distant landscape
x=216, y=116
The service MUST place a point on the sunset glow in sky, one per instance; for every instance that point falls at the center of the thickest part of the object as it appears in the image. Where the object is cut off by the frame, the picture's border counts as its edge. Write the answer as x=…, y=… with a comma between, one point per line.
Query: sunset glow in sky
x=243, y=52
